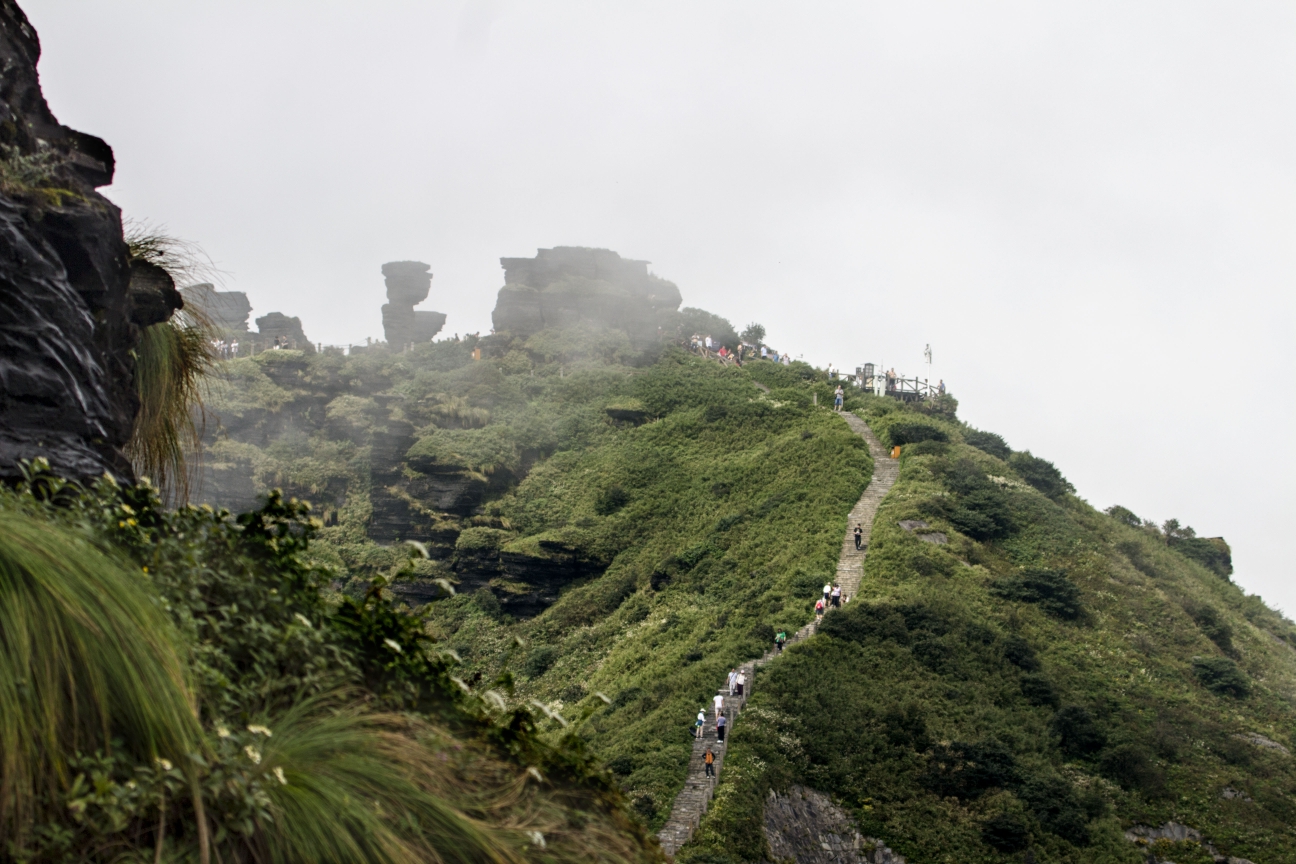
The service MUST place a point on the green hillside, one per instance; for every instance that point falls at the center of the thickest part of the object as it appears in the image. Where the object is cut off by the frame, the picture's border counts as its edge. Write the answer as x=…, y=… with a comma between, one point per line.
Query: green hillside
x=627, y=524
x=621, y=525
x=1047, y=679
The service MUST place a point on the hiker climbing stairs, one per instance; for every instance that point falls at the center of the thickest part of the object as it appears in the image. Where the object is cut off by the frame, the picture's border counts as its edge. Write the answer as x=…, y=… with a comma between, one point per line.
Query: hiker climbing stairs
x=694, y=798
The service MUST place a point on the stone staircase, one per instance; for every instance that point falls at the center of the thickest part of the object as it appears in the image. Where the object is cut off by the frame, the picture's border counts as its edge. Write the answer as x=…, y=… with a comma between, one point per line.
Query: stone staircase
x=695, y=797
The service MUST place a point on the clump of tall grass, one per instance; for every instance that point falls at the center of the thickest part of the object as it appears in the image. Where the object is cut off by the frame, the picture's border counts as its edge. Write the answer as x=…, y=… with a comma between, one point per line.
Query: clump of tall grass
x=172, y=361
x=88, y=661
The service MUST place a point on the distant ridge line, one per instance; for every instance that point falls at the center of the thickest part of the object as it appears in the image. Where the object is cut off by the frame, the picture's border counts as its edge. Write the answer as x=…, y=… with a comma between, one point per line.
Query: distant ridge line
x=692, y=801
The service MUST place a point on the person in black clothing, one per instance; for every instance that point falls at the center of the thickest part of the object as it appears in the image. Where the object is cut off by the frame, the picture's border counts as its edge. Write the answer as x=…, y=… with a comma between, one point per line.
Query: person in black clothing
x=859, y=537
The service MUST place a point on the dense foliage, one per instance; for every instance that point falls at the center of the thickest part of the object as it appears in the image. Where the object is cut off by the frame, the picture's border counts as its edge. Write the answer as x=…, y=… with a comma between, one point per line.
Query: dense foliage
x=309, y=727
x=1046, y=679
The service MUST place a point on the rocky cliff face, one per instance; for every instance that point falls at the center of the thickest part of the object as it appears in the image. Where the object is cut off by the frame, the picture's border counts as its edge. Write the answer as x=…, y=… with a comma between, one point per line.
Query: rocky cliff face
x=571, y=285
x=70, y=315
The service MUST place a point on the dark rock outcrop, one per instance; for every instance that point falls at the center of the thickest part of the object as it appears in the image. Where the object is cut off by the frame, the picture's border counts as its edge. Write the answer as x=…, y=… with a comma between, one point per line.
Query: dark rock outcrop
x=288, y=332
x=408, y=284
x=572, y=285
x=807, y=827
x=70, y=317
x=226, y=310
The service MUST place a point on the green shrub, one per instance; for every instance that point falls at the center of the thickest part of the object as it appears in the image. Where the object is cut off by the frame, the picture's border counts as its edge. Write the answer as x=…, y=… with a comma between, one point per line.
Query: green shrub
x=1076, y=731
x=610, y=500
x=1132, y=767
x=968, y=770
x=914, y=432
x=1124, y=515
x=1006, y=832
x=1051, y=590
x=988, y=442
x=1041, y=474
x=539, y=661
x=1211, y=552
x=1221, y=676
x=1039, y=691
x=1212, y=624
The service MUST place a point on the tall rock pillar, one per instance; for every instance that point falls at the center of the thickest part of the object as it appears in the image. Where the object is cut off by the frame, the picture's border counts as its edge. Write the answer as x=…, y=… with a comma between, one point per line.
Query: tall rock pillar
x=408, y=284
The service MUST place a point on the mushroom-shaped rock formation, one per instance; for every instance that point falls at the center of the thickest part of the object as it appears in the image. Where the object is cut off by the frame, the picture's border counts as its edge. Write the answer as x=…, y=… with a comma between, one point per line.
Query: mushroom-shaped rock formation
x=408, y=284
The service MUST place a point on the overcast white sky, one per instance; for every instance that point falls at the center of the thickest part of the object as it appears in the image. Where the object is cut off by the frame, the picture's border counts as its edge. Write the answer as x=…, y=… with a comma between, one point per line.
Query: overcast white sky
x=1085, y=208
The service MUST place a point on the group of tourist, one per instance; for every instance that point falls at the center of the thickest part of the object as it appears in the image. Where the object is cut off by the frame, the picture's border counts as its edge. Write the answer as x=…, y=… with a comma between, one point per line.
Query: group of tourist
x=832, y=598
x=225, y=349
x=706, y=346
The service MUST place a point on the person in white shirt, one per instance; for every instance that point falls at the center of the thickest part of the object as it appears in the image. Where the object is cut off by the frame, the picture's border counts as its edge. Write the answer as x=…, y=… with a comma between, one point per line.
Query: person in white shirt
x=719, y=704
x=733, y=676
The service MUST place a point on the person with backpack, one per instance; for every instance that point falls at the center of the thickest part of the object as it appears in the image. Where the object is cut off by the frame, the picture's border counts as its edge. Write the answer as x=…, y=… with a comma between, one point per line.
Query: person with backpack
x=709, y=759
x=780, y=639
x=699, y=723
x=721, y=722
x=819, y=610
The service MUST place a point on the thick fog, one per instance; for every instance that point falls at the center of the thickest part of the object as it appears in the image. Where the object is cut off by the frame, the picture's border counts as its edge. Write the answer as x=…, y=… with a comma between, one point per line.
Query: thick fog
x=1088, y=210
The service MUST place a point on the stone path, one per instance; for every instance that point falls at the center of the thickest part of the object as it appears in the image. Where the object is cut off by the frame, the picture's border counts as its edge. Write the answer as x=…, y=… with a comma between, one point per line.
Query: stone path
x=693, y=799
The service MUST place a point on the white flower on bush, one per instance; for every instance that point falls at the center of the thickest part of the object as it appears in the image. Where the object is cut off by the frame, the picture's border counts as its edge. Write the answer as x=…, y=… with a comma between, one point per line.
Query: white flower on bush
x=253, y=754
x=279, y=775
x=394, y=645
x=259, y=730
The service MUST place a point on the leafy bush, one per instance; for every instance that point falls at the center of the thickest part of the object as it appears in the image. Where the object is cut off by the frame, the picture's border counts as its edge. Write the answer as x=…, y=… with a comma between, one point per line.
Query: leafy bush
x=980, y=509
x=1132, y=767
x=1221, y=676
x=1018, y=652
x=610, y=500
x=539, y=661
x=1076, y=731
x=1057, y=806
x=988, y=442
x=914, y=432
x=1038, y=690
x=1006, y=832
x=1041, y=474
x=1051, y=590
x=1212, y=624
x=968, y=770
x=1211, y=552
x=1124, y=515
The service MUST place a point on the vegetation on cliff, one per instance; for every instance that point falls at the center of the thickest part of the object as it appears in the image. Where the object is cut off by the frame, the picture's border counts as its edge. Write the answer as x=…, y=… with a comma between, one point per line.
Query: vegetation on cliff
x=641, y=521
x=180, y=685
x=1043, y=676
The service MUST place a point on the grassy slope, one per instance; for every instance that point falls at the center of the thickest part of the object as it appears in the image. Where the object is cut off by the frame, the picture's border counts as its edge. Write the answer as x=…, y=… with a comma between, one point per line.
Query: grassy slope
x=734, y=497
x=736, y=519
x=922, y=662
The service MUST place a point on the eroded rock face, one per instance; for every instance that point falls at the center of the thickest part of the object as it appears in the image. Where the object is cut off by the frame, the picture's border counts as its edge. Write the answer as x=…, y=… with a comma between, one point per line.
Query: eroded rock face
x=807, y=827
x=227, y=310
x=571, y=285
x=287, y=330
x=70, y=320
x=408, y=284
